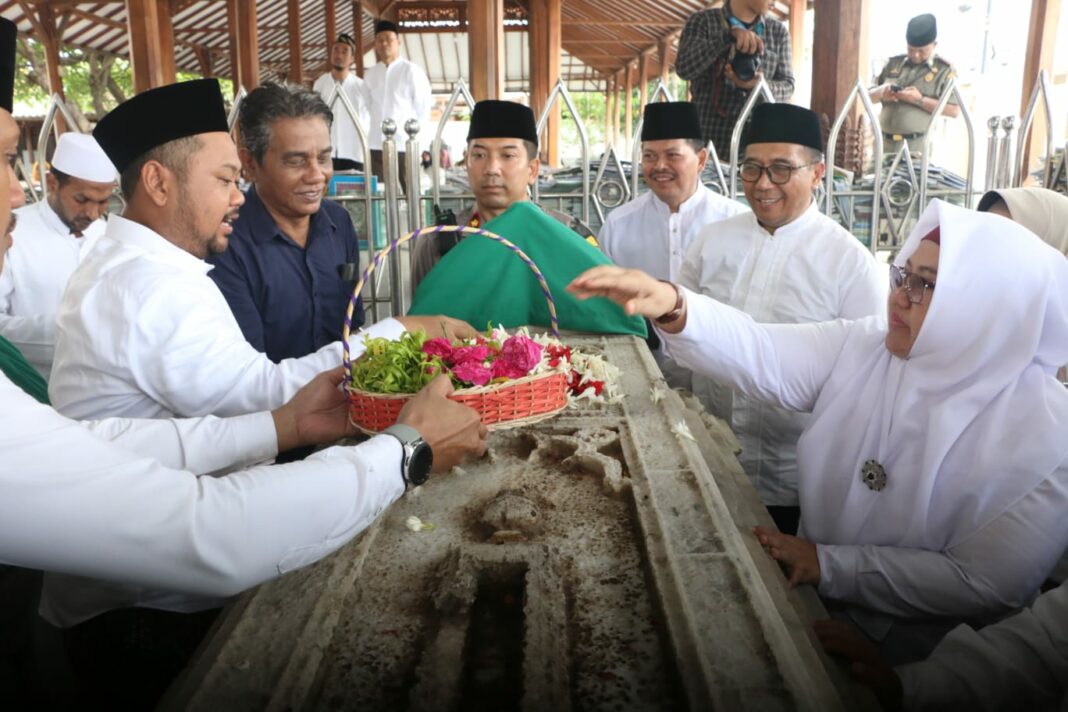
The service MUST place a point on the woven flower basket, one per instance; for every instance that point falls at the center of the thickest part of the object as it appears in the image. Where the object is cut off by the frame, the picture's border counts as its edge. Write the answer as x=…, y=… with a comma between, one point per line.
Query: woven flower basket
x=505, y=405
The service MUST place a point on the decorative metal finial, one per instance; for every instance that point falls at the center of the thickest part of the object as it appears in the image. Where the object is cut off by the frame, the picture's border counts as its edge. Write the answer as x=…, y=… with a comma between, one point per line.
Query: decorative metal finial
x=411, y=127
x=389, y=127
x=993, y=122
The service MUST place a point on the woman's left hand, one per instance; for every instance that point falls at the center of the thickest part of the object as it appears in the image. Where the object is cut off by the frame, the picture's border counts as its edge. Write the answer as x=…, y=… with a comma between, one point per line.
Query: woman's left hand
x=797, y=556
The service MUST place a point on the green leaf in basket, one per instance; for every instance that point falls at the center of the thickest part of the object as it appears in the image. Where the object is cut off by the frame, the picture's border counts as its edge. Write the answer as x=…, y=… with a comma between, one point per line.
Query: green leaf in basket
x=395, y=366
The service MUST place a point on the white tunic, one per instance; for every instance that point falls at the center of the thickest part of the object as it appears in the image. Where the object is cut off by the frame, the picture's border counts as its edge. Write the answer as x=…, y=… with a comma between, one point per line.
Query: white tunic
x=644, y=234
x=400, y=92
x=1020, y=663
x=36, y=270
x=143, y=332
x=807, y=271
x=343, y=135
x=122, y=500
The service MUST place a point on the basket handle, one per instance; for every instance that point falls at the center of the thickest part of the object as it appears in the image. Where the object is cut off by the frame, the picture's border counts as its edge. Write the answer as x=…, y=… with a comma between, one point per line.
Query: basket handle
x=381, y=255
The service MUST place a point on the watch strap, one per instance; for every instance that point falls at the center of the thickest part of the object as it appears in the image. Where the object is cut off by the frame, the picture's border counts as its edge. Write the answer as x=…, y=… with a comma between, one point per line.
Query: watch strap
x=408, y=437
x=676, y=311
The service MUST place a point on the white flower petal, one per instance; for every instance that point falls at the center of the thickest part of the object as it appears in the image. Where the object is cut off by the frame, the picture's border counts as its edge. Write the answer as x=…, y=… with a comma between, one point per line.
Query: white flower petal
x=682, y=431
x=414, y=523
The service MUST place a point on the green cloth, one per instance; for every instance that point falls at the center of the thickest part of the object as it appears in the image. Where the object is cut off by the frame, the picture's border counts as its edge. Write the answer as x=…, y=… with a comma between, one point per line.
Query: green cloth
x=22, y=374
x=483, y=282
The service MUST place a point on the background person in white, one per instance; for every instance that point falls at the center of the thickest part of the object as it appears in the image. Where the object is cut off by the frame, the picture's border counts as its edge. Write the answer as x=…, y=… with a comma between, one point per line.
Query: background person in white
x=782, y=263
x=399, y=90
x=653, y=232
x=122, y=500
x=142, y=330
x=348, y=148
x=50, y=239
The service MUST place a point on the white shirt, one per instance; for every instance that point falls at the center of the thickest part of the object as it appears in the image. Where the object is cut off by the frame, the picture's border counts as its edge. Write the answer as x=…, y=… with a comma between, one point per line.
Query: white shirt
x=122, y=500
x=143, y=332
x=1019, y=663
x=644, y=234
x=36, y=270
x=807, y=271
x=996, y=569
x=343, y=135
x=400, y=92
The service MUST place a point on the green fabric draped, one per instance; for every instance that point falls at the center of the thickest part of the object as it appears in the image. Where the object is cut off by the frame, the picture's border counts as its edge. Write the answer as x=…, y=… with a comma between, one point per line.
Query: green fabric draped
x=22, y=374
x=483, y=282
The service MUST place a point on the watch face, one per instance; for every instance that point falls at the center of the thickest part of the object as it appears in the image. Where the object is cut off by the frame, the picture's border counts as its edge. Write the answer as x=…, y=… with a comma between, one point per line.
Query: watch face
x=419, y=465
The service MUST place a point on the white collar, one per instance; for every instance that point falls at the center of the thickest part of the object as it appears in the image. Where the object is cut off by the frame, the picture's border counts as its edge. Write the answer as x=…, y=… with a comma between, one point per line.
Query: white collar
x=135, y=235
x=53, y=221
x=691, y=203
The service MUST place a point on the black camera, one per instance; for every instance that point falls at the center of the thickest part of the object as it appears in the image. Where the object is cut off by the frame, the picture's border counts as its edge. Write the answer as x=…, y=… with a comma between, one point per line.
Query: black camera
x=745, y=66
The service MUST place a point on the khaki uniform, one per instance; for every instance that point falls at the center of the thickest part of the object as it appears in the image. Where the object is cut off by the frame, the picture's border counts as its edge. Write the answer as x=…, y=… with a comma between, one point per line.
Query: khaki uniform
x=903, y=121
x=428, y=249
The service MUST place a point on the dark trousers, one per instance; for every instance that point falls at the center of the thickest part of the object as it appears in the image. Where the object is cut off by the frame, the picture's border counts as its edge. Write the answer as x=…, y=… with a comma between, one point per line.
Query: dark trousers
x=125, y=659
x=377, y=162
x=786, y=519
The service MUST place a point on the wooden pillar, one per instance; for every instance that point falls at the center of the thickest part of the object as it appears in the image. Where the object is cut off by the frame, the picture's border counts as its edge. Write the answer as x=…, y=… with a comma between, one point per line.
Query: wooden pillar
x=545, y=50
x=617, y=88
x=204, y=61
x=643, y=80
x=628, y=119
x=330, y=17
x=837, y=49
x=797, y=33
x=485, y=44
x=608, y=90
x=357, y=33
x=244, y=43
x=296, y=68
x=665, y=54
x=151, y=42
x=1041, y=41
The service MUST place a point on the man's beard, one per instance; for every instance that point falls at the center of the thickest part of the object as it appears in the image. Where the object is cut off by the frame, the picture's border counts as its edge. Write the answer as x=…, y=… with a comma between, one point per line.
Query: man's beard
x=200, y=245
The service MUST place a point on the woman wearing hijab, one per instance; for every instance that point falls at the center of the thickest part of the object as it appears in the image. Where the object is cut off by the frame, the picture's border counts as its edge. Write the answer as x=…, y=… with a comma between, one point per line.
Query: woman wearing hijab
x=1042, y=211
x=933, y=474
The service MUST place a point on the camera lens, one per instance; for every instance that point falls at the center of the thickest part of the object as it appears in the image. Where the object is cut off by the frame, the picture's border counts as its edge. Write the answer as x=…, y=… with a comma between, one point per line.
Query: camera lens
x=745, y=66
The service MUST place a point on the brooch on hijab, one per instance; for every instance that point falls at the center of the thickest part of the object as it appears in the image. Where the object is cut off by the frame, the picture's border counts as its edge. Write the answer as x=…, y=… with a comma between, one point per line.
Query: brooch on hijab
x=873, y=475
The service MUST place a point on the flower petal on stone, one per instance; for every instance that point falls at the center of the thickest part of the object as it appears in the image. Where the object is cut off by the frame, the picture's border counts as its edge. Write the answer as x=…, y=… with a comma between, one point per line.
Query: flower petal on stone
x=682, y=431
x=414, y=523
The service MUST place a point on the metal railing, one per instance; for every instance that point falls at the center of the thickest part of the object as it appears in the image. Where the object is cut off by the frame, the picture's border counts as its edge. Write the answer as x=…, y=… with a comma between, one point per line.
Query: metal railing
x=760, y=91
x=1042, y=91
x=560, y=93
x=56, y=105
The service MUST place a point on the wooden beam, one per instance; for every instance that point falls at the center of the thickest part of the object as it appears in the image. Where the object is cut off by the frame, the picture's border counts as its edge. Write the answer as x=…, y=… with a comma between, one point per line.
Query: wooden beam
x=797, y=34
x=296, y=68
x=485, y=43
x=151, y=43
x=357, y=33
x=836, y=53
x=545, y=48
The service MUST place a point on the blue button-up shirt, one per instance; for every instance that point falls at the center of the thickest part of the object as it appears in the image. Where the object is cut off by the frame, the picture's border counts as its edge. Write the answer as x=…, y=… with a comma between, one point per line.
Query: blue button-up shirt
x=289, y=300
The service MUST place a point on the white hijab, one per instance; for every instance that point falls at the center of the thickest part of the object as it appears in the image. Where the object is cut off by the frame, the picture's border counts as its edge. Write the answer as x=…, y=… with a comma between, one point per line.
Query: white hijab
x=971, y=421
x=1042, y=211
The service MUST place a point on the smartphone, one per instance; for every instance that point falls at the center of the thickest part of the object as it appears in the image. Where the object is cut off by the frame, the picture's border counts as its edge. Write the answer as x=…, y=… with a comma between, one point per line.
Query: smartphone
x=896, y=87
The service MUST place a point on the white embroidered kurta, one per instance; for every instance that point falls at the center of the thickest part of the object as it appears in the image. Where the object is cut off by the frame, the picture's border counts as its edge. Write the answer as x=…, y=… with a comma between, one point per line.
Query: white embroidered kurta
x=143, y=332
x=36, y=270
x=400, y=92
x=121, y=500
x=644, y=234
x=807, y=271
x=1020, y=663
x=344, y=138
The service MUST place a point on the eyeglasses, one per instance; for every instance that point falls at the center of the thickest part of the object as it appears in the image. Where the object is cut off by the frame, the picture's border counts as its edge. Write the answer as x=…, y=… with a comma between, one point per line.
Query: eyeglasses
x=778, y=173
x=915, y=285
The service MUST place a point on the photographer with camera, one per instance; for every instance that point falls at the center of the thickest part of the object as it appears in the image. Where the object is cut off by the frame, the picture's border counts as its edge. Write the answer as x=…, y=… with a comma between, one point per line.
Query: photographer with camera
x=910, y=86
x=723, y=52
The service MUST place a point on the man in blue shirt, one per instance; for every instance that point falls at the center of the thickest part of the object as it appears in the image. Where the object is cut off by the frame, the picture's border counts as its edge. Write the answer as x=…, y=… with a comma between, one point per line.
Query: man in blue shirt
x=293, y=257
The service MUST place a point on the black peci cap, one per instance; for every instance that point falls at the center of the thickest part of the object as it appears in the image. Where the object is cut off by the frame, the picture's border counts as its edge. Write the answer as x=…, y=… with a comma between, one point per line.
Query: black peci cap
x=503, y=119
x=8, y=34
x=671, y=119
x=783, y=123
x=158, y=116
